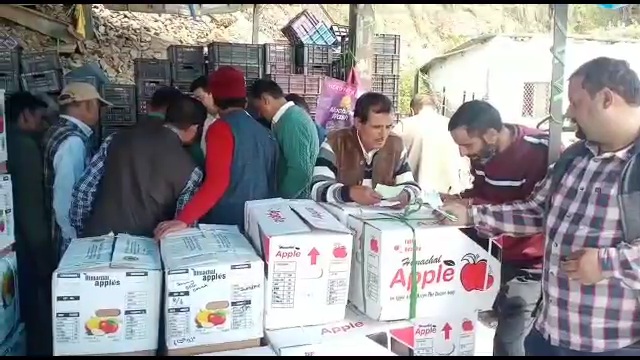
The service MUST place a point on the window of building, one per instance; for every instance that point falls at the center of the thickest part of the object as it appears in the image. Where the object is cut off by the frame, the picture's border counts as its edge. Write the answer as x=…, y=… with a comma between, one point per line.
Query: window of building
x=536, y=99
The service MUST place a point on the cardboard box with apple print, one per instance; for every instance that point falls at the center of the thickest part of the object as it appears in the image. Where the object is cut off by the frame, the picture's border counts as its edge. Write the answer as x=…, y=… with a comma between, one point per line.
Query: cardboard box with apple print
x=3, y=133
x=308, y=256
x=7, y=228
x=453, y=272
x=9, y=302
x=214, y=289
x=106, y=297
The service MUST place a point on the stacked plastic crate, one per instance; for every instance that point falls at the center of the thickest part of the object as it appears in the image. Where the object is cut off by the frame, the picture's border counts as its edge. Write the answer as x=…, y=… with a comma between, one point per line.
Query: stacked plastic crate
x=41, y=72
x=307, y=86
x=249, y=58
x=123, y=113
x=278, y=59
x=10, y=70
x=313, y=41
x=149, y=74
x=187, y=64
x=386, y=67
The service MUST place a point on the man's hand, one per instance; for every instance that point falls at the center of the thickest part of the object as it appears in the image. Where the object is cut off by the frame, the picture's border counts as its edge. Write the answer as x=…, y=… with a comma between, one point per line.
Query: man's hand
x=167, y=227
x=364, y=195
x=583, y=266
x=403, y=198
x=458, y=210
x=448, y=199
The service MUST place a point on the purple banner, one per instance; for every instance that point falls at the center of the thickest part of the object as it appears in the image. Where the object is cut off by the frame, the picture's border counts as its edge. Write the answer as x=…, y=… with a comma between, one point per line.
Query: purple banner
x=335, y=104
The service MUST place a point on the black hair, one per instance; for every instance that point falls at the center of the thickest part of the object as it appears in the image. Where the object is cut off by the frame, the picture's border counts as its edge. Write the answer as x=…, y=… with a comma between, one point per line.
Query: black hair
x=224, y=104
x=298, y=100
x=477, y=117
x=617, y=75
x=371, y=102
x=164, y=97
x=199, y=83
x=18, y=102
x=265, y=86
x=185, y=112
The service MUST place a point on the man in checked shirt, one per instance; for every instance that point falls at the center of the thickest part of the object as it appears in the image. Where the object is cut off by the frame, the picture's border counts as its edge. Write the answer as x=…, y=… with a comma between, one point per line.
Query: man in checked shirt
x=140, y=176
x=588, y=207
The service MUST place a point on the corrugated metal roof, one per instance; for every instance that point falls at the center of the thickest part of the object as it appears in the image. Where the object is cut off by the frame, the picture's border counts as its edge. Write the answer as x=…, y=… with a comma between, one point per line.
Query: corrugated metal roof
x=483, y=39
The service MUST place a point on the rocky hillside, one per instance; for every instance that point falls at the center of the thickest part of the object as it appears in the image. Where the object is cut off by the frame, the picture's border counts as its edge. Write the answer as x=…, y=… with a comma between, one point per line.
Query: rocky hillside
x=426, y=30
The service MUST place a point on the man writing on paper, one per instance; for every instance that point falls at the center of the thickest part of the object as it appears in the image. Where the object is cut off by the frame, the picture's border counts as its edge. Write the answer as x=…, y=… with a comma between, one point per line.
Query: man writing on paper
x=587, y=206
x=353, y=161
x=507, y=161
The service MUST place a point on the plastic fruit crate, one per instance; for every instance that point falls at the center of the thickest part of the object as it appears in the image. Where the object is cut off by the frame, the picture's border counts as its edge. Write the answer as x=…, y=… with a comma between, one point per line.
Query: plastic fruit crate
x=35, y=62
x=117, y=94
x=182, y=54
x=42, y=82
x=10, y=82
x=313, y=55
x=151, y=69
x=185, y=87
x=107, y=130
x=386, y=64
x=146, y=87
x=386, y=44
x=312, y=102
x=220, y=53
x=82, y=79
x=305, y=28
x=385, y=84
x=118, y=115
x=10, y=61
x=249, y=71
x=278, y=59
x=186, y=72
x=298, y=83
x=318, y=70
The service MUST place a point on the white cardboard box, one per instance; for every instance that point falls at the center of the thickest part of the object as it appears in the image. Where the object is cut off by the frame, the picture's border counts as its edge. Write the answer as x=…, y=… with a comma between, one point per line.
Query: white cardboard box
x=106, y=296
x=304, y=343
x=308, y=256
x=7, y=225
x=214, y=287
x=256, y=351
x=453, y=272
x=15, y=344
x=9, y=297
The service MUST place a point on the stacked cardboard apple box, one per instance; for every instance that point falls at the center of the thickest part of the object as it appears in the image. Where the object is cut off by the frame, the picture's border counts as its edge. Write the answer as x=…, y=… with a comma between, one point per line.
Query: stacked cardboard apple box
x=455, y=278
x=12, y=336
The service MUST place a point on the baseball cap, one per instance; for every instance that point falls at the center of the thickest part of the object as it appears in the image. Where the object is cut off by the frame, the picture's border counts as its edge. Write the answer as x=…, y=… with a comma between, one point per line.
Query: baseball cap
x=78, y=91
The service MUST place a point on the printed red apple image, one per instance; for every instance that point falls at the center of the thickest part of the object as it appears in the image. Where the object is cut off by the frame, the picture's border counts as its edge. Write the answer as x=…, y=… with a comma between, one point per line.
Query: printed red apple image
x=375, y=246
x=109, y=326
x=467, y=325
x=217, y=318
x=340, y=252
x=473, y=273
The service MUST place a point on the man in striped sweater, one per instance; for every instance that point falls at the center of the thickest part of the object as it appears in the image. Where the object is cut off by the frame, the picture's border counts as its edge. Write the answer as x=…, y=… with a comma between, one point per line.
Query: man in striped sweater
x=353, y=161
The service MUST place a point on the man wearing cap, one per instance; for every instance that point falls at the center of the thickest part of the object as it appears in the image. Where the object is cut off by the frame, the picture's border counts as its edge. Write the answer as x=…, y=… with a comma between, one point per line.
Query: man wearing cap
x=67, y=150
x=241, y=160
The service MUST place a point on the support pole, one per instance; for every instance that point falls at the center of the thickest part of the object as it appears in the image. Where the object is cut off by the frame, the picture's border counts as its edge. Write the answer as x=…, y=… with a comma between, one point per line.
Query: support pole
x=255, y=33
x=559, y=13
x=361, y=29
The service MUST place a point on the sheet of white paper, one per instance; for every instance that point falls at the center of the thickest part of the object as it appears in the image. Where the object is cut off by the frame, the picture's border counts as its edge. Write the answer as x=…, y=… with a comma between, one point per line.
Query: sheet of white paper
x=388, y=192
x=432, y=198
x=387, y=203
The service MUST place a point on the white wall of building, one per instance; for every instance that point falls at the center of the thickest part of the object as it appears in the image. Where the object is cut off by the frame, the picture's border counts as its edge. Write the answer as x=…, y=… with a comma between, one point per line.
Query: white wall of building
x=500, y=67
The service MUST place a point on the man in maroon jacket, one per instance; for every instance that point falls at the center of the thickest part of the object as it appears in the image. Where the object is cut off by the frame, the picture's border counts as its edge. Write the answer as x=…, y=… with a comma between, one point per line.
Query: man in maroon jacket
x=506, y=163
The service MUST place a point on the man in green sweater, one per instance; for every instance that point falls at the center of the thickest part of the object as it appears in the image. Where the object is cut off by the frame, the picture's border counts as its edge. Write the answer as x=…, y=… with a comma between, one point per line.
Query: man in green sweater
x=296, y=135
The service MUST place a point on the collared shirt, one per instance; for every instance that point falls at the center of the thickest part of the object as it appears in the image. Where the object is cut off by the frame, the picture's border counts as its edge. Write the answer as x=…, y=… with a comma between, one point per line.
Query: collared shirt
x=203, y=141
x=281, y=112
x=368, y=155
x=84, y=191
x=583, y=213
x=68, y=164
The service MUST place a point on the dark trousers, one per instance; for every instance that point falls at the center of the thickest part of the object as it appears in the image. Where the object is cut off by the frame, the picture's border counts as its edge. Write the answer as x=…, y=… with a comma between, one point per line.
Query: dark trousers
x=514, y=306
x=537, y=345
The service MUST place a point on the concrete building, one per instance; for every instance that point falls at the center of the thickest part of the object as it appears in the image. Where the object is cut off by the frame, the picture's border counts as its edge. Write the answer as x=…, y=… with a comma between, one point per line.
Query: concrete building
x=514, y=72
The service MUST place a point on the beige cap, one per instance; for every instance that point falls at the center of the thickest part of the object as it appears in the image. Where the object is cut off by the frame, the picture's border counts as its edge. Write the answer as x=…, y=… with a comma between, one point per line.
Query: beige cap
x=78, y=91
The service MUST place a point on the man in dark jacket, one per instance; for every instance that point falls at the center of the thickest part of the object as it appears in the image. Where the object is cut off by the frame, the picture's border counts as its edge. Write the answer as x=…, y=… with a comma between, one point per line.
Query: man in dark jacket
x=243, y=165
x=25, y=126
x=142, y=177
